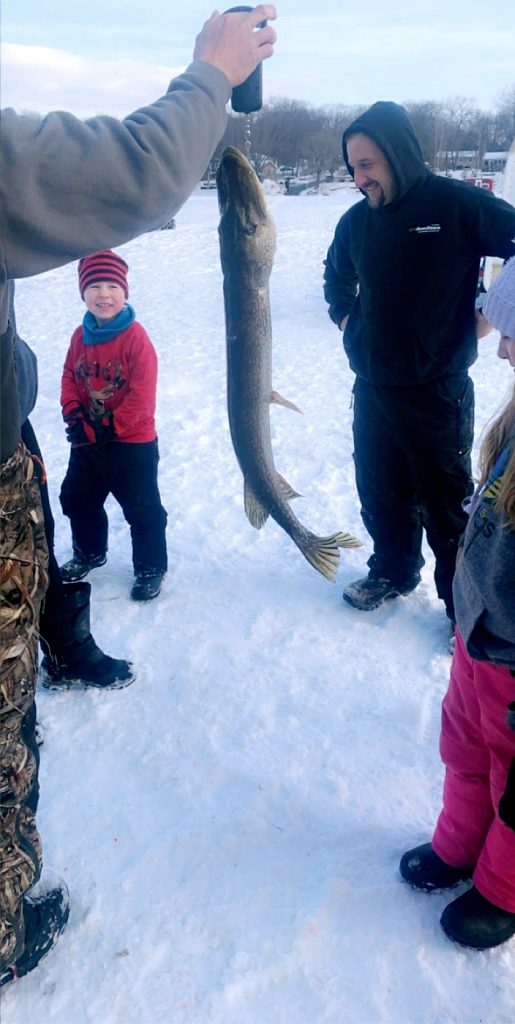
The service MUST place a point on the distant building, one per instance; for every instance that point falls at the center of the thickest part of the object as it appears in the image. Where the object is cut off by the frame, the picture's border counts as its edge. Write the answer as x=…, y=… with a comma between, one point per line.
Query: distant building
x=470, y=160
x=457, y=159
x=494, y=161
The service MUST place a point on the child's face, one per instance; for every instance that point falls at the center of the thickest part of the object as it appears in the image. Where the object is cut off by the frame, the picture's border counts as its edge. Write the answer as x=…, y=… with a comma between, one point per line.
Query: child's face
x=506, y=349
x=105, y=299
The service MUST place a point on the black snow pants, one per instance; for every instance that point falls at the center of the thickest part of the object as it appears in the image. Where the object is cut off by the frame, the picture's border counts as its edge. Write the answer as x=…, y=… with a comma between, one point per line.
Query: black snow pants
x=412, y=450
x=129, y=473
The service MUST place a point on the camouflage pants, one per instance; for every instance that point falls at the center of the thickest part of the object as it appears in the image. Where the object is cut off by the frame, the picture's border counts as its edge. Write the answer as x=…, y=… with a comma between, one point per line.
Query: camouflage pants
x=23, y=578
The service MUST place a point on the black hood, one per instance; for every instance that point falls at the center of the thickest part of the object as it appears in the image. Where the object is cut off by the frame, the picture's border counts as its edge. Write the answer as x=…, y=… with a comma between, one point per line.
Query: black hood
x=390, y=128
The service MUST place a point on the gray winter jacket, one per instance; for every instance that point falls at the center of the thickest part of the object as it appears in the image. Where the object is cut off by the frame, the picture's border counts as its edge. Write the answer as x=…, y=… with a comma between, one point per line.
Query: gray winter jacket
x=70, y=187
x=484, y=583
x=26, y=364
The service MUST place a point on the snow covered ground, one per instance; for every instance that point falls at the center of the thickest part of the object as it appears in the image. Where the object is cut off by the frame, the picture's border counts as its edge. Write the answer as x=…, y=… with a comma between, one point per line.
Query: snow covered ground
x=230, y=826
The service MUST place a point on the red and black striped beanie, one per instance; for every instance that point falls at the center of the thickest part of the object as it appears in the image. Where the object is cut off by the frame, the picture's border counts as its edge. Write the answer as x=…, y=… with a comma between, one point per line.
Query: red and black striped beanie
x=103, y=266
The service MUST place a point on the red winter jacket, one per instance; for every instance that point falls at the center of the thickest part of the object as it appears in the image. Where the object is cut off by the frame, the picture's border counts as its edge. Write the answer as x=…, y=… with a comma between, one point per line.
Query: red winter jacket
x=119, y=375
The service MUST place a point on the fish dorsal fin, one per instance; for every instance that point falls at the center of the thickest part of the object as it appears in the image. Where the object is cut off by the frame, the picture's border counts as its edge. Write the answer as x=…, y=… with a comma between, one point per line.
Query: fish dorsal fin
x=255, y=511
x=277, y=399
x=287, y=491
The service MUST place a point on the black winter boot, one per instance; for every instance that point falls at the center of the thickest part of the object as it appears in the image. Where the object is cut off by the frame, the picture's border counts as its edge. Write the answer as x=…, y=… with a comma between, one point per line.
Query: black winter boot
x=473, y=921
x=372, y=591
x=72, y=656
x=79, y=566
x=45, y=916
x=425, y=870
x=146, y=586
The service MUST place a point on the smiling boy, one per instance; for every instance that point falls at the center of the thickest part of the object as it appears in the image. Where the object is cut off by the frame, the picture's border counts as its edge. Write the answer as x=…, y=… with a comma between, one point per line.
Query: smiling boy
x=108, y=398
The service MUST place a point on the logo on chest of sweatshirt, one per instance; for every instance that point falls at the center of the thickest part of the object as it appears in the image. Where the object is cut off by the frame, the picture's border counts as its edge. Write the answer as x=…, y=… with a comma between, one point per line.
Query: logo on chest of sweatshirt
x=426, y=229
x=484, y=518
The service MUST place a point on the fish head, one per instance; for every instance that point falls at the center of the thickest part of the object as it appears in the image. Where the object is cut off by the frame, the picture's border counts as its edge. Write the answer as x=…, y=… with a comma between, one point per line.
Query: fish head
x=246, y=230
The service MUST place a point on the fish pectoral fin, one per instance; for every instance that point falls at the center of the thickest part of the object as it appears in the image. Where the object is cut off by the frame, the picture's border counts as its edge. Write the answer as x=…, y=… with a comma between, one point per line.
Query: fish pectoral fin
x=287, y=491
x=255, y=511
x=277, y=399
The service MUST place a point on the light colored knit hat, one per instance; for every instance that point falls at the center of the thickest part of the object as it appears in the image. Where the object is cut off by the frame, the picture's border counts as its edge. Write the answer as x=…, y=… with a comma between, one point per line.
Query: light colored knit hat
x=499, y=305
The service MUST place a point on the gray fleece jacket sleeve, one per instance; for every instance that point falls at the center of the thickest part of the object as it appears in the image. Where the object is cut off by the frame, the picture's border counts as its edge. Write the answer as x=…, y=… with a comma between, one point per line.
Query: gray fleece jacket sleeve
x=70, y=187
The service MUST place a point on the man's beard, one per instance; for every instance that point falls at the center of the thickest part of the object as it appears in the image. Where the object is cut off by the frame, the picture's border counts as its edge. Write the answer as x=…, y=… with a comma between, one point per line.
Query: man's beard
x=378, y=196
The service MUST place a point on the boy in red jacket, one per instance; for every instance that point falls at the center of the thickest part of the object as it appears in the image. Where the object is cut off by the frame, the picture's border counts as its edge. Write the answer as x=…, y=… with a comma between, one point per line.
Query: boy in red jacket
x=108, y=398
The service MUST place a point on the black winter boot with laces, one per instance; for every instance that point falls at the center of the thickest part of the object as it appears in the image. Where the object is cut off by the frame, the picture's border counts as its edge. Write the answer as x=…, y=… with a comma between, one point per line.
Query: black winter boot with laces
x=372, y=591
x=71, y=654
x=79, y=566
x=147, y=585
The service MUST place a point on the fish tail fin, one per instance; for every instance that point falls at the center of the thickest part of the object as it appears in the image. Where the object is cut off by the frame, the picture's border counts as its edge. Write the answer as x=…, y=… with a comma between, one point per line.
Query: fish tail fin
x=323, y=552
x=346, y=540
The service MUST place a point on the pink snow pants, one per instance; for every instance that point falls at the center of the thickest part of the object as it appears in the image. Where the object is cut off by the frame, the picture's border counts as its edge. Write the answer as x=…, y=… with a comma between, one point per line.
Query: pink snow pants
x=477, y=748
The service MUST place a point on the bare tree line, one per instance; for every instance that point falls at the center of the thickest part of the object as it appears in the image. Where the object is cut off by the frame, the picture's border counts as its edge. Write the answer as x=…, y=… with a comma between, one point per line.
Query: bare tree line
x=308, y=138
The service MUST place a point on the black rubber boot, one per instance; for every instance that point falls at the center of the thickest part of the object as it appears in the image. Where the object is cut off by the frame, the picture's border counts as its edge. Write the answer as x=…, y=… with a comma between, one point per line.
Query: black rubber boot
x=146, y=586
x=473, y=921
x=71, y=654
x=372, y=591
x=45, y=916
x=425, y=870
x=79, y=566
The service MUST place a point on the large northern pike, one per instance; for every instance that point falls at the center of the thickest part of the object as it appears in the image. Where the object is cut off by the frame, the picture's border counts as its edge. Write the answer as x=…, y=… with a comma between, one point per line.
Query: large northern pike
x=247, y=246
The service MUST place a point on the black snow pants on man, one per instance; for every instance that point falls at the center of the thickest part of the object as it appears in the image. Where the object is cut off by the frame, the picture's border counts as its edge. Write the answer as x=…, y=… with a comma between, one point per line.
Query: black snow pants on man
x=129, y=473
x=412, y=450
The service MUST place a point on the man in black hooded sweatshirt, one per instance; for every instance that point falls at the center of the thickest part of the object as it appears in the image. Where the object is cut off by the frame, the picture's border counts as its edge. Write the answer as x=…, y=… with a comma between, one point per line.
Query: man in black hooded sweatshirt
x=400, y=280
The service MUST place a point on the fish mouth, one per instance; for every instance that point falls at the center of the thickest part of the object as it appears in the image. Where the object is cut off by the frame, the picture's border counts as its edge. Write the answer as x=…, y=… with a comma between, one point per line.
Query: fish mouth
x=239, y=190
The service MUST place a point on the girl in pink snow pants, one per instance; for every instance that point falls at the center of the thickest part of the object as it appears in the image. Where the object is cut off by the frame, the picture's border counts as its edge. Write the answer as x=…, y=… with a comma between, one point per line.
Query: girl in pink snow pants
x=475, y=833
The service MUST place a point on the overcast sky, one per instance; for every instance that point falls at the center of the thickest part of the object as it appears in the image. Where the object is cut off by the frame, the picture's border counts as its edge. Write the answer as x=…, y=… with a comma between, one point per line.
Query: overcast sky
x=111, y=56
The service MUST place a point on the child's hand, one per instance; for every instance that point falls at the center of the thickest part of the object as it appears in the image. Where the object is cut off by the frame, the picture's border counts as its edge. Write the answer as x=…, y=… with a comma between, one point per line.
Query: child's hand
x=104, y=429
x=75, y=419
x=75, y=432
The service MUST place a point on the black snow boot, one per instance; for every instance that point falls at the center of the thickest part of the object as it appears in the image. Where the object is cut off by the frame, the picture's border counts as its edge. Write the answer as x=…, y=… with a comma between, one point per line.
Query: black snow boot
x=473, y=921
x=425, y=870
x=372, y=591
x=146, y=586
x=71, y=654
x=45, y=916
x=79, y=566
